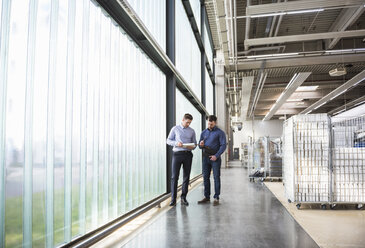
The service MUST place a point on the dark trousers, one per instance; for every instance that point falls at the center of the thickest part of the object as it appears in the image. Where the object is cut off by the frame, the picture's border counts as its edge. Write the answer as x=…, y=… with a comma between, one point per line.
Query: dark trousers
x=178, y=159
x=208, y=165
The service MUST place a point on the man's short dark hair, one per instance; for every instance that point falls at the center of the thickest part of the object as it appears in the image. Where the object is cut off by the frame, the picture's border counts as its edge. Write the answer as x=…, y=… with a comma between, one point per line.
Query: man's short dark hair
x=212, y=118
x=188, y=117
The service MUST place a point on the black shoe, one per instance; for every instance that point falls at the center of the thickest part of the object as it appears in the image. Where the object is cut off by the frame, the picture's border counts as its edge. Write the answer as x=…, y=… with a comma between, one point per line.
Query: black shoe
x=205, y=200
x=172, y=203
x=184, y=202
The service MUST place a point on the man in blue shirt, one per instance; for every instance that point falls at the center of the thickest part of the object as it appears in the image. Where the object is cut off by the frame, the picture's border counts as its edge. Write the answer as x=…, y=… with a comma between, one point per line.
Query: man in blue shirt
x=183, y=139
x=213, y=142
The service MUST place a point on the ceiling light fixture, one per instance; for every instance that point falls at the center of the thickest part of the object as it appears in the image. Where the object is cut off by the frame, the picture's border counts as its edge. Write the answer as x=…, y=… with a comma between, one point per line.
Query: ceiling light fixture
x=304, y=11
x=275, y=55
x=339, y=111
x=295, y=100
x=307, y=88
x=287, y=13
x=345, y=50
x=338, y=91
x=357, y=104
x=294, y=83
x=338, y=95
x=267, y=15
x=292, y=80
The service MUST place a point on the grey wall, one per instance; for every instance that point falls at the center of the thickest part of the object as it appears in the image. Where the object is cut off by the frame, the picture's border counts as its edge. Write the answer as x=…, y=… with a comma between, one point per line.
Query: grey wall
x=272, y=128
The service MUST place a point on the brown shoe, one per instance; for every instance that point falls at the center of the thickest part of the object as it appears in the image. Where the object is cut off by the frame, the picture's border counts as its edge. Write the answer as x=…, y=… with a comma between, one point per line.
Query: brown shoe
x=205, y=200
x=216, y=202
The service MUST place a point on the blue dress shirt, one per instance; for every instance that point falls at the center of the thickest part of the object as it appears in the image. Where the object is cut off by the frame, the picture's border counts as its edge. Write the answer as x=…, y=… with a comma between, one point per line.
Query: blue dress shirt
x=214, y=139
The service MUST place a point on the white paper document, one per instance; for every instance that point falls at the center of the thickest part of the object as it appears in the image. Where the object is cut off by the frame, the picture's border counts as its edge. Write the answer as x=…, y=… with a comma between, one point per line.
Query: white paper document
x=188, y=144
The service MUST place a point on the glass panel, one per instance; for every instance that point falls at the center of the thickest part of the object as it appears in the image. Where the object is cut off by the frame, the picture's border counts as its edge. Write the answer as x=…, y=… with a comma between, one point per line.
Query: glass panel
x=208, y=47
x=80, y=148
x=195, y=5
x=188, y=56
x=15, y=124
x=183, y=106
x=152, y=14
x=208, y=93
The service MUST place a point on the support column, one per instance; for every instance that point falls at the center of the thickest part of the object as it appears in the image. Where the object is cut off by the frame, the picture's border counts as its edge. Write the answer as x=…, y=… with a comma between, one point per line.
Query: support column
x=170, y=85
x=220, y=100
x=203, y=61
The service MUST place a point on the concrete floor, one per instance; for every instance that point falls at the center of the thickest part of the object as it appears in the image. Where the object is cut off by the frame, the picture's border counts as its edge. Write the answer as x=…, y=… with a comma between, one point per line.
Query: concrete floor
x=249, y=216
x=343, y=228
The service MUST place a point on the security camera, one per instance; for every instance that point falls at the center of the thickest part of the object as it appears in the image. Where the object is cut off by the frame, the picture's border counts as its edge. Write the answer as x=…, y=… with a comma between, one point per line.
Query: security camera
x=239, y=127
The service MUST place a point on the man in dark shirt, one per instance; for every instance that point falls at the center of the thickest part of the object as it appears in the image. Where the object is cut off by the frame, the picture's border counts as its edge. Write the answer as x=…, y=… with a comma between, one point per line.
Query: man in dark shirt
x=213, y=142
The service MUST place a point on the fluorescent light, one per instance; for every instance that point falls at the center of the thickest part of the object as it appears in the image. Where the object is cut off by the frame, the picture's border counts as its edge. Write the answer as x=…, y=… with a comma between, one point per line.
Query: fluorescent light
x=346, y=50
x=359, y=103
x=294, y=83
x=304, y=11
x=295, y=100
x=267, y=15
x=320, y=105
x=339, y=111
x=337, y=95
x=307, y=88
x=271, y=55
x=287, y=13
x=291, y=81
x=299, y=103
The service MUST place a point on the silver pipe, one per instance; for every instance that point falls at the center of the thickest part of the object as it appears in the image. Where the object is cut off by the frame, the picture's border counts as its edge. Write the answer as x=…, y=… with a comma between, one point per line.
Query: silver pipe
x=235, y=33
x=279, y=23
x=272, y=26
x=261, y=49
x=248, y=22
x=231, y=24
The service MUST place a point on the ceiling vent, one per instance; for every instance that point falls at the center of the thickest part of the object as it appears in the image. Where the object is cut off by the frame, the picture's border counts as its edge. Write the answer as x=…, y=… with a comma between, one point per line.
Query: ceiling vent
x=337, y=72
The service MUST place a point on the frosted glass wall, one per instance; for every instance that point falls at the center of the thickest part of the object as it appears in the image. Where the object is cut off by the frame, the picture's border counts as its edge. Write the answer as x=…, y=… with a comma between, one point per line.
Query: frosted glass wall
x=77, y=146
x=195, y=6
x=209, y=103
x=153, y=16
x=208, y=47
x=188, y=56
x=183, y=106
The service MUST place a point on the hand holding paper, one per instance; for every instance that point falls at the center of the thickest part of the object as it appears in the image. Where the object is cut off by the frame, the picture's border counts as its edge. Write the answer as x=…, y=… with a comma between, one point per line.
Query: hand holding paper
x=188, y=145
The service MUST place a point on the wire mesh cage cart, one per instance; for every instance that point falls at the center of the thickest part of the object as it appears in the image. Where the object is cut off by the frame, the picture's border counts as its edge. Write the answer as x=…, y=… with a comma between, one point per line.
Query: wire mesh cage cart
x=260, y=159
x=306, y=148
x=275, y=158
x=348, y=161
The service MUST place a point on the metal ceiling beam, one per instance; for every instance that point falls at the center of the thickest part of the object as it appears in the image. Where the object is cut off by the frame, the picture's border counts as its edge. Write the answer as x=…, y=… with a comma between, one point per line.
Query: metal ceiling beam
x=268, y=96
x=247, y=83
x=348, y=105
x=337, y=92
x=345, y=19
x=247, y=30
x=279, y=112
x=304, y=37
x=289, y=62
x=263, y=9
x=260, y=81
x=294, y=83
x=279, y=23
x=222, y=28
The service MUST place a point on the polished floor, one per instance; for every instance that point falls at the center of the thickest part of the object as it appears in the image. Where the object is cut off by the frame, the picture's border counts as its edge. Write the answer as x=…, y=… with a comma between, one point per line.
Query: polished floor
x=343, y=227
x=249, y=215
